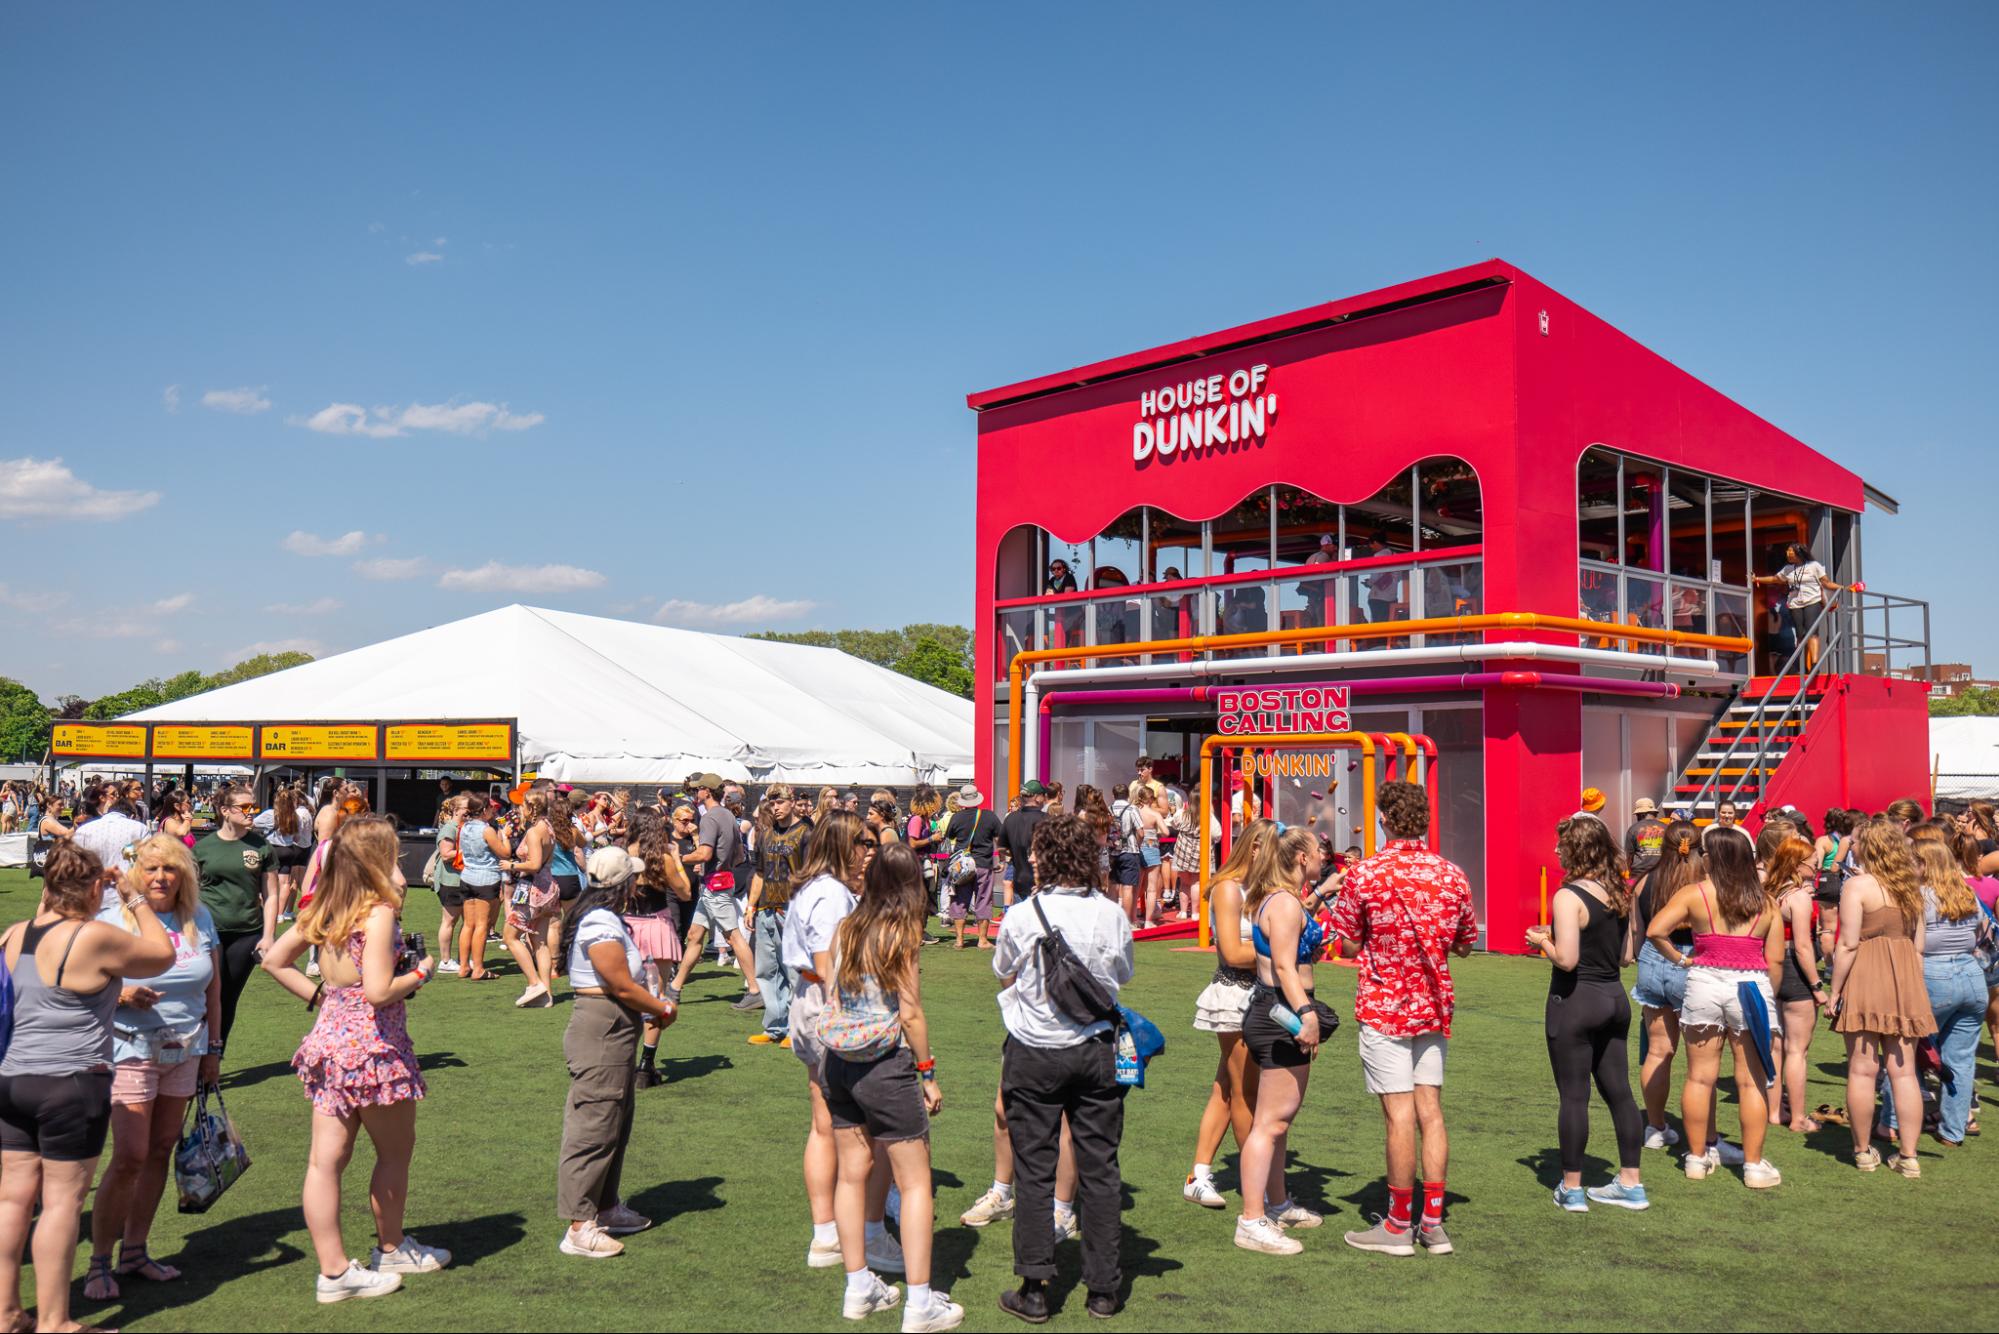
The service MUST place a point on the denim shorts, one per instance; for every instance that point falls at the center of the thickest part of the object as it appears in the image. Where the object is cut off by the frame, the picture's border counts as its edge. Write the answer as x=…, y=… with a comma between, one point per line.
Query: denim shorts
x=1662, y=985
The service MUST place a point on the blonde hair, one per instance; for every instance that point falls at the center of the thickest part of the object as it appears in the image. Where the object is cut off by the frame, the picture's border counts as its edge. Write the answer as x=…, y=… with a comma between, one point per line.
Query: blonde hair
x=1943, y=874
x=359, y=876
x=187, y=881
x=1244, y=851
x=1884, y=854
x=1274, y=864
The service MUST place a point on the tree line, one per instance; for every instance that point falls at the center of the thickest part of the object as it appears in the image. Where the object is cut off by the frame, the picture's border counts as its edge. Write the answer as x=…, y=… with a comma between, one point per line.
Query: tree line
x=26, y=721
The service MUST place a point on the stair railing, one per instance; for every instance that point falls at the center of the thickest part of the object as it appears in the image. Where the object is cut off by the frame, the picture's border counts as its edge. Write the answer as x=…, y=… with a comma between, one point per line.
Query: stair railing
x=1757, y=721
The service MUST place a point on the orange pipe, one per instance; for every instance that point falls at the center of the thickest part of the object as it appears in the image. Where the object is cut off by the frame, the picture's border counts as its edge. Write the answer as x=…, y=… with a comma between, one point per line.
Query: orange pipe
x=1499, y=620
x=1279, y=741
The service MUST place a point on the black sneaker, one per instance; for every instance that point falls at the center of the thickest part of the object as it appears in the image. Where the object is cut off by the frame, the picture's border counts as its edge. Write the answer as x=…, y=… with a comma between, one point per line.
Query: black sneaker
x=647, y=1078
x=1104, y=1305
x=1030, y=1303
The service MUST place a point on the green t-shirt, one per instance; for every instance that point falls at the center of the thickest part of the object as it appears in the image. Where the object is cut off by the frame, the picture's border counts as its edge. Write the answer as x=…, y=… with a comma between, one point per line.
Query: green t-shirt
x=445, y=877
x=232, y=880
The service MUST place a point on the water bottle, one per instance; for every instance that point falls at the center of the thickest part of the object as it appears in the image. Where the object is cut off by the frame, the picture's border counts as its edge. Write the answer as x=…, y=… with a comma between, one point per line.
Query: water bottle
x=1287, y=1019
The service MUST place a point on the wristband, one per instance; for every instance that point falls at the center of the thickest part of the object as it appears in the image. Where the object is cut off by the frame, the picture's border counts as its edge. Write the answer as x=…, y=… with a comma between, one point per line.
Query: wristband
x=928, y=1069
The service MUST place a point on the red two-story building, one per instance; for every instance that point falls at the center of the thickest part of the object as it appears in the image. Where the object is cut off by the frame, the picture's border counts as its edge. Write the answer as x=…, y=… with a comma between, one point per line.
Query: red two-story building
x=1463, y=445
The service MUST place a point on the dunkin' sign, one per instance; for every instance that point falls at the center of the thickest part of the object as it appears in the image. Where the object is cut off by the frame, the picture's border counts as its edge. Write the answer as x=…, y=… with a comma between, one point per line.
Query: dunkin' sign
x=1267, y=710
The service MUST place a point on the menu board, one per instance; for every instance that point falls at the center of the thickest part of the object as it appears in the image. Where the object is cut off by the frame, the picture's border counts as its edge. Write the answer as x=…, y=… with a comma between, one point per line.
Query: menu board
x=204, y=741
x=319, y=742
x=459, y=743
x=110, y=741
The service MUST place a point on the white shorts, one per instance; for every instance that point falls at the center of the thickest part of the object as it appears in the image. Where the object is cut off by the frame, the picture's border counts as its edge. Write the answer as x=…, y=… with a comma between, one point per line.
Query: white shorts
x=1398, y=1065
x=1714, y=998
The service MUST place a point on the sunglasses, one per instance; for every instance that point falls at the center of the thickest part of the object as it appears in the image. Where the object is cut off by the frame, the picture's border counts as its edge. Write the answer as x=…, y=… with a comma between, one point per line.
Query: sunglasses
x=249, y=806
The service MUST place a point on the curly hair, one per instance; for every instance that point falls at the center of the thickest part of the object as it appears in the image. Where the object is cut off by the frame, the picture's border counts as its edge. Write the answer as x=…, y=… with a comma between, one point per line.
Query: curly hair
x=1587, y=851
x=1883, y=850
x=72, y=881
x=1065, y=853
x=1405, y=809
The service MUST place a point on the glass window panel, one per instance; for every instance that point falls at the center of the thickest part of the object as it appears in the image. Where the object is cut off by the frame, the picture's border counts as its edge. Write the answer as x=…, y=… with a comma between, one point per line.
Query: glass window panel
x=1687, y=608
x=1308, y=528
x=1644, y=515
x=1452, y=514
x=1597, y=505
x=1597, y=593
x=1686, y=525
x=1728, y=510
x=1645, y=604
x=1731, y=618
x=1118, y=552
x=1016, y=635
x=1459, y=734
x=1017, y=571
x=1175, y=549
x=1382, y=522
x=1242, y=536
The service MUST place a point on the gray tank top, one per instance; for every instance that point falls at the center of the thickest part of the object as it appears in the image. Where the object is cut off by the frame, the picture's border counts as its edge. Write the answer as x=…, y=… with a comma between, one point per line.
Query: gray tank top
x=57, y=1031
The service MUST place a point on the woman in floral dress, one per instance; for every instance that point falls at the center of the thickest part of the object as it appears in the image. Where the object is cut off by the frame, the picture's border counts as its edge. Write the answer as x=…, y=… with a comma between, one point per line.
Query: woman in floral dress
x=357, y=1064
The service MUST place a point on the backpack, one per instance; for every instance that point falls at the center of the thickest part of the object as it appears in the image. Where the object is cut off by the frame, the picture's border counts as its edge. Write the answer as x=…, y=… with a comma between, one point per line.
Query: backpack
x=1068, y=983
x=6, y=1004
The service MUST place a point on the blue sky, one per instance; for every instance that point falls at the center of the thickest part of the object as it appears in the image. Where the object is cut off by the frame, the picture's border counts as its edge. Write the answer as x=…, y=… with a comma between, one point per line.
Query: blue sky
x=669, y=311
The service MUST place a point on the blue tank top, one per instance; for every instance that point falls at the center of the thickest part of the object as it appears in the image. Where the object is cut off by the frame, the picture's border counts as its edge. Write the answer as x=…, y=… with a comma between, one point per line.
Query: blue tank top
x=1309, y=940
x=561, y=861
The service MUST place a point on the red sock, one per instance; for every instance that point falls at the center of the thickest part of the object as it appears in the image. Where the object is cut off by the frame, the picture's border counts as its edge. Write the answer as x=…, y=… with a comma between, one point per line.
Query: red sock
x=1433, y=1203
x=1399, y=1198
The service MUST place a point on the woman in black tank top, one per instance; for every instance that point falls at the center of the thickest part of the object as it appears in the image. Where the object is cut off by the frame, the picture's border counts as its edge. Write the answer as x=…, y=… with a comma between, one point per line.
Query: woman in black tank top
x=1588, y=1016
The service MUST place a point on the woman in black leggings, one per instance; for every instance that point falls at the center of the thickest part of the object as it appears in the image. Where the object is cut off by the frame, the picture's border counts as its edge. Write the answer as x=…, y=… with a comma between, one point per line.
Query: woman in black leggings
x=1588, y=1016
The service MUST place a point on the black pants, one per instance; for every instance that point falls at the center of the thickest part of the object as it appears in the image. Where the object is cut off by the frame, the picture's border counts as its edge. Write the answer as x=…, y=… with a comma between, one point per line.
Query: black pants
x=1586, y=1031
x=1038, y=1085
x=239, y=960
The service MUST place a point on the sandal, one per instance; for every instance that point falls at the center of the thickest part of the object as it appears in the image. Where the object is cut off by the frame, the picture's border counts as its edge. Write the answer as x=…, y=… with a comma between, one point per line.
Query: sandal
x=99, y=1284
x=23, y=1323
x=135, y=1260
x=1831, y=1115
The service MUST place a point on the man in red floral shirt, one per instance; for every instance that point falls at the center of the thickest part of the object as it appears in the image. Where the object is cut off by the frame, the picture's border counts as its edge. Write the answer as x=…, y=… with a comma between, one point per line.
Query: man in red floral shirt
x=1404, y=911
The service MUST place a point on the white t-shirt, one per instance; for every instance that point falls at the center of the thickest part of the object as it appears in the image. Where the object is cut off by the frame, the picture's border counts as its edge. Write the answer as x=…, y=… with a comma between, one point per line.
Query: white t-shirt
x=599, y=925
x=1097, y=931
x=108, y=836
x=816, y=911
x=1807, y=584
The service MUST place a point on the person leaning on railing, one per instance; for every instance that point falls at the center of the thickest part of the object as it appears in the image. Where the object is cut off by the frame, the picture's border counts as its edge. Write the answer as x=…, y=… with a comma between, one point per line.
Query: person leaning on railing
x=1806, y=581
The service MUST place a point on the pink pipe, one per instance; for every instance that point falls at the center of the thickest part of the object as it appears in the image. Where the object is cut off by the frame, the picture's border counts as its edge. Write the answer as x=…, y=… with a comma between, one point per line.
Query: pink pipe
x=1373, y=685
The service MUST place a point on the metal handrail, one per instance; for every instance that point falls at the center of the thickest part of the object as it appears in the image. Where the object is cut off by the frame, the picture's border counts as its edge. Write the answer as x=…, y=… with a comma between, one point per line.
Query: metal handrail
x=1756, y=719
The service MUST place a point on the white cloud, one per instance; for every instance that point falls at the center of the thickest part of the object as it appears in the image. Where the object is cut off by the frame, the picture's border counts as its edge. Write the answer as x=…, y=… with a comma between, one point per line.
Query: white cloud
x=312, y=646
x=170, y=396
x=391, y=568
x=317, y=607
x=167, y=646
x=423, y=257
x=302, y=543
x=108, y=626
x=47, y=489
x=475, y=418
x=755, y=609
x=178, y=602
x=244, y=401
x=493, y=577
x=439, y=243
x=34, y=603
x=376, y=228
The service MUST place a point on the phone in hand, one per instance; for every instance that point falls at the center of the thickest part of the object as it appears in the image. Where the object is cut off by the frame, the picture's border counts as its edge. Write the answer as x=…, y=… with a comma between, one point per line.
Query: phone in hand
x=412, y=955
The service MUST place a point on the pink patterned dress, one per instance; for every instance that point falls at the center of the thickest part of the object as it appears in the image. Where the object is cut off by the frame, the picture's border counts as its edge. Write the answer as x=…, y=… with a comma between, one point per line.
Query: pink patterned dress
x=355, y=1055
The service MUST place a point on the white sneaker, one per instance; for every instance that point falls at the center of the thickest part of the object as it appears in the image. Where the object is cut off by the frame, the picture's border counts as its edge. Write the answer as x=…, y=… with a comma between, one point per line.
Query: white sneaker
x=1066, y=1228
x=879, y=1297
x=939, y=1313
x=823, y=1255
x=1201, y=1190
x=357, y=1282
x=412, y=1257
x=1297, y=1215
x=591, y=1242
x=1260, y=1234
x=530, y=996
x=620, y=1221
x=988, y=1208
x=312, y=970
x=1729, y=1154
x=1699, y=1165
x=1661, y=1137
x=448, y=966
x=1761, y=1175
x=885, y=1252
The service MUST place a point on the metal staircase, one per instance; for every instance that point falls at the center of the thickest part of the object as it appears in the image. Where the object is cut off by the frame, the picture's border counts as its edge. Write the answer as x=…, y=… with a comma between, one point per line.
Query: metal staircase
x=1761, y=724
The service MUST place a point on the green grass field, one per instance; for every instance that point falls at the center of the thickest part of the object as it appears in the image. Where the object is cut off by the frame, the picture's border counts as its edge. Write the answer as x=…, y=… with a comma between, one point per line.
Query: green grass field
x=715, y=1159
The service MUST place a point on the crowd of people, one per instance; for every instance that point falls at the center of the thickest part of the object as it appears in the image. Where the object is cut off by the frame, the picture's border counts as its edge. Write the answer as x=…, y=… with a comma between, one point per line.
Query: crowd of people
x=128, y=980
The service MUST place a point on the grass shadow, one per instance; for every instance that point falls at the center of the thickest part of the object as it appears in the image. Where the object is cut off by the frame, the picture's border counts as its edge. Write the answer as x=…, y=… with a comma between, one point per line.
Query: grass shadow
x=680, y=1069
x=1312, y=1185
x=210, y=1258
x=440, y=1060
x=252, y=1075
x=471, y=1240
x=1546, y=1165
x=670, y=1199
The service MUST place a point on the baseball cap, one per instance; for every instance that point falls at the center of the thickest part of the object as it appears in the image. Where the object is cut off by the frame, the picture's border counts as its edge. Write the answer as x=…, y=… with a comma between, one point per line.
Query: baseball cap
x=713, y=782
x=1033, y=788
x=1644, y=806
x=610, y=866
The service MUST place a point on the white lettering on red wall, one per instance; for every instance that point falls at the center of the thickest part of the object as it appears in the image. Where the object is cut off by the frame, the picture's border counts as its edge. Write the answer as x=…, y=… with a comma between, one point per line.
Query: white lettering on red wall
x=1196, y=416
x=1268, y=710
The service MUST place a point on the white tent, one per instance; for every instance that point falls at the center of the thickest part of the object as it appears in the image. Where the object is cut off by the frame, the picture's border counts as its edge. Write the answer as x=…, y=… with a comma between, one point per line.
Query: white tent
x=601, y=701
x=1965, y=752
